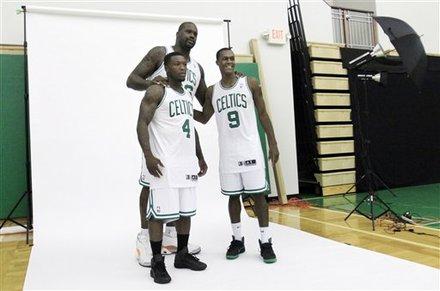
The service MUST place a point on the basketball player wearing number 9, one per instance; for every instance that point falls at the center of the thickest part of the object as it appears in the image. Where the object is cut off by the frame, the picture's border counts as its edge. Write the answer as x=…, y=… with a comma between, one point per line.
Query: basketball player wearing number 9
x=235, y=102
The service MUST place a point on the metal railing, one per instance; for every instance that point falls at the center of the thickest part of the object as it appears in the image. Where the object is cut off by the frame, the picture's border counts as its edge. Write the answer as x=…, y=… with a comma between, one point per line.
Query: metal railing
x=354, y=29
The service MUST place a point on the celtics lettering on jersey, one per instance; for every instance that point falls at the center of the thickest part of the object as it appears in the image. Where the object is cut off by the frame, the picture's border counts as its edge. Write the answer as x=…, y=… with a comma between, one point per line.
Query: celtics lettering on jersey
x=182, y=107
x=239, y=141
x=235, y=101
x=179, y=107
x=232, y=100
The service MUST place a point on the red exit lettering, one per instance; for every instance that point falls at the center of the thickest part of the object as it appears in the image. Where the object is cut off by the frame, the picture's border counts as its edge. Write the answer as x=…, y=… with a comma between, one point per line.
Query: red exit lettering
x=277, y=34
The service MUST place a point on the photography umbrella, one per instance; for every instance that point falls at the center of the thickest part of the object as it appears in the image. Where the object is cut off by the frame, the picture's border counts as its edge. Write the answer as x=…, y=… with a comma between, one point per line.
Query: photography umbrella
x=408, y=45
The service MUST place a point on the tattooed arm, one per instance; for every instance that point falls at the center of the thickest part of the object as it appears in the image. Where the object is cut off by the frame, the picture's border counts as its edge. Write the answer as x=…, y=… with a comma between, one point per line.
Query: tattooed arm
x=153, y=97
x=151, y=62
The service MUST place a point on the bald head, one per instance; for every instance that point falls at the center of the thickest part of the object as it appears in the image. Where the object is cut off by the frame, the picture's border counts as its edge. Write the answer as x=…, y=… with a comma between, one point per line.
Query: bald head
x=186, y=36
x=182, y=26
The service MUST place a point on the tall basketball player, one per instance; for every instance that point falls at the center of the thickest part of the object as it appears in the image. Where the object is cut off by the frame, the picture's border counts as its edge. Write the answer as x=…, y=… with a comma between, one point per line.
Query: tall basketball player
x=167, y=137
x=151, y=71
x=234, y=101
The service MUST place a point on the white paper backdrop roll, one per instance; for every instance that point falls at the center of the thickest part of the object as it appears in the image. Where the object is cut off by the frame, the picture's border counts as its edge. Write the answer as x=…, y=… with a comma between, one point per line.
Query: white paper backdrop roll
x=85, y=154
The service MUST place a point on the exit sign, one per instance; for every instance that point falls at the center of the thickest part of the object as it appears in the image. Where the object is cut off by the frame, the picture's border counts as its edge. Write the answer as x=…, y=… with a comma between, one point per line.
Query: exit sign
x=276, y=36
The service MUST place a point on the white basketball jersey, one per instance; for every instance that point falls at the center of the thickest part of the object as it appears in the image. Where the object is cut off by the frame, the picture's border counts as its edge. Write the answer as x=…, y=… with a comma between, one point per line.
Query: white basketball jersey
x=172, y=141
x=239, y=141
x=193, y=74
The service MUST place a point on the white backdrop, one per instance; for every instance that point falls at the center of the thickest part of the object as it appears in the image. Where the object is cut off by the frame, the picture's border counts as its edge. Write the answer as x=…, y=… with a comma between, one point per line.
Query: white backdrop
x=85, y=153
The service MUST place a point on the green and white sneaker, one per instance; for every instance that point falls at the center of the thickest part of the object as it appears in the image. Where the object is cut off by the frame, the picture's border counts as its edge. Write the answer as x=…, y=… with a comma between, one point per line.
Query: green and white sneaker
x=266, y=251
x=235, y=248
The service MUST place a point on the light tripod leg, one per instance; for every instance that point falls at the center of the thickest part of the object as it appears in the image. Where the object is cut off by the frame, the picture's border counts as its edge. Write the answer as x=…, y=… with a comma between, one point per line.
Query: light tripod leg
x=356, y=208
x=383, y=183
x=372, y=209
x=387, y=208
x=355, y=184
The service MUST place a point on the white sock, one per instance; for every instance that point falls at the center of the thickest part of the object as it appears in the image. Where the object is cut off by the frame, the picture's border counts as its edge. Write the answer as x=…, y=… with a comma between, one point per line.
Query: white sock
x=170, y=229
x=265, y=235
x=236, y=230
x=144, y=232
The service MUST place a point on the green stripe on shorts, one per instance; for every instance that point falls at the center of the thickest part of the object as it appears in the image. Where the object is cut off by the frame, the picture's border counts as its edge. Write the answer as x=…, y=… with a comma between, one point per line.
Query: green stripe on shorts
x=256, y=191
x=187, y=213
x=236, y=192
x=145, y=184
x=151, y=212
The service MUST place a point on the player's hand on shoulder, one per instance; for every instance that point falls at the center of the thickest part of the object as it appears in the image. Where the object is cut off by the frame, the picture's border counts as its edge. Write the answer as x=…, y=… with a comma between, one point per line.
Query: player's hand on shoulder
x=239, y=74
x=154, y=165
x=159, y=80
x=203, y=168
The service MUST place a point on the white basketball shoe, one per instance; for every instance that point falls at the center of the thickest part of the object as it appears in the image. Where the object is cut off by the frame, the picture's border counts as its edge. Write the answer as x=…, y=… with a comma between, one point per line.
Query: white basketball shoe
x=169, y=246
x=143, y=250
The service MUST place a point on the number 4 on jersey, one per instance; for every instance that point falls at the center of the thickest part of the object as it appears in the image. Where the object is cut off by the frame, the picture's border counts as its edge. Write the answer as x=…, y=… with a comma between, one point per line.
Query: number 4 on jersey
x=186, y=129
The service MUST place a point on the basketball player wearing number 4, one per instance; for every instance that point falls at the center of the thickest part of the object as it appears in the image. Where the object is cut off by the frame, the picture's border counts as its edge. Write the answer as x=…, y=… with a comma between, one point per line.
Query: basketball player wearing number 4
x=151, y=71
x=168, y=139
x=234, y=100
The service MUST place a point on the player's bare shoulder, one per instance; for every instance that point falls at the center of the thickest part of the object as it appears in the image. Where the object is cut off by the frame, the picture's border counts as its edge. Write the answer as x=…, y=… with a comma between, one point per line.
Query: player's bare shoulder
x=155, y=90
x=154, y=93
x=252, y=82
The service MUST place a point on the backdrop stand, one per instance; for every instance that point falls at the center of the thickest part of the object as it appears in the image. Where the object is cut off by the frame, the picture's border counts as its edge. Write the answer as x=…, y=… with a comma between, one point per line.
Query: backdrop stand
x=229, y=34
x=28, y=192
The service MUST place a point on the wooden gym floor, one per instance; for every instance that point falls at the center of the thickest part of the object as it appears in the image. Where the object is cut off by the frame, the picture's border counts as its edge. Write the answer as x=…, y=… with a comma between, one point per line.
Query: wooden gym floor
x=416, y=244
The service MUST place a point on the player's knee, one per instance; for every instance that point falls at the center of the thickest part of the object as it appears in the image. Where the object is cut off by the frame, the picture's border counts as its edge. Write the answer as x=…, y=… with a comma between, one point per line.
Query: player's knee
x=145, y=191
x=259, y=199
x=234, y=198
x=153, y=220
x=185, y=218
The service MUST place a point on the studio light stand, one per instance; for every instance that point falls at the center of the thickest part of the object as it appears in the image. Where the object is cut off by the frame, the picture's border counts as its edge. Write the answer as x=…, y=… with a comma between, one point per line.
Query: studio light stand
x=371, y=179
x=28, y=192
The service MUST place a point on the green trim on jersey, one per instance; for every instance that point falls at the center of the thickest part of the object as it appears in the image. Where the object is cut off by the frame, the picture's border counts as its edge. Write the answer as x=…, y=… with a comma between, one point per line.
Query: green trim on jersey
x=233, y=86
x=251, y=70
x=163, y=98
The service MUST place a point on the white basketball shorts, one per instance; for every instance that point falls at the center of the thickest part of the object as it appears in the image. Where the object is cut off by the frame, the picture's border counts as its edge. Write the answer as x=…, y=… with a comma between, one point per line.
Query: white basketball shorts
x=251, y=182
x=169, y=204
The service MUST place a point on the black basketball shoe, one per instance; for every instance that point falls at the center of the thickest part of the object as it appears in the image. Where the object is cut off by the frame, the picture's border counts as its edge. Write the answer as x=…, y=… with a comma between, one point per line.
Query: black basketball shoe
x=235, y=248
x=185, y=260
x=158, y=271
x=267, y=252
